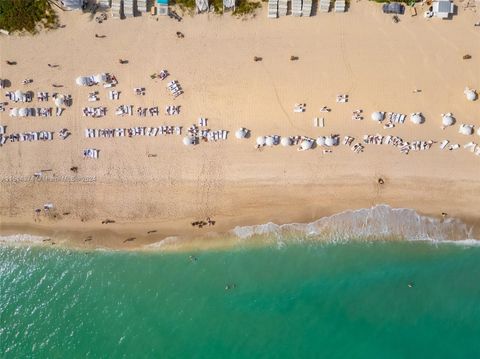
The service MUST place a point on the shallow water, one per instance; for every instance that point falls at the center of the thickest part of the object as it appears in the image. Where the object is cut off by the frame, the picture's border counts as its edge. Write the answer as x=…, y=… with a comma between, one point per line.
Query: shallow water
x=349, y=300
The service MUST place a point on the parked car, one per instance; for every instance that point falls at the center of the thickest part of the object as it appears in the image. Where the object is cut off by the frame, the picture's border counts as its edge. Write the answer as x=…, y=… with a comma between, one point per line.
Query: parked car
x=393, y=8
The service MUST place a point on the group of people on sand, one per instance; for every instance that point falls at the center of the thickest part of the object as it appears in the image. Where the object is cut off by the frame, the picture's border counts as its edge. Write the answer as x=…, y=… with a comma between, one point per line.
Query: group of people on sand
x=201, y=224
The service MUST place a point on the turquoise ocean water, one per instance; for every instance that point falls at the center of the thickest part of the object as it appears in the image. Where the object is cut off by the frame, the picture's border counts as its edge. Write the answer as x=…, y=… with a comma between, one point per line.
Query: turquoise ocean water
x=299, y=300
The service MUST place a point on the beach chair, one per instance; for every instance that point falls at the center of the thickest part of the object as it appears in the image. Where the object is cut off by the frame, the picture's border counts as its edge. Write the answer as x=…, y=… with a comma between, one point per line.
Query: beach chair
x=117, y=9
x=128, y=9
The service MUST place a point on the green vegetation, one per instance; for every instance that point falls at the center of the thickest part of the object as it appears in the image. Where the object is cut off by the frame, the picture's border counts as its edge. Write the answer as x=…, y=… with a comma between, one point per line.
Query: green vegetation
x=243, y=7
x=26, y=15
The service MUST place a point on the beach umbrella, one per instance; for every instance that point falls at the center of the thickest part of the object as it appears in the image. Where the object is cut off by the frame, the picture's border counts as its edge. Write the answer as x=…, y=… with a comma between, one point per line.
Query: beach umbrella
x=240, y=133
x=270, y=141
x=19, y=95
x=59, y=101
x=188, y=141
x=448, y=120
x=306, y=145
x=471, y=95
x=14, y=112
x=23, y=112
x=416, y=118
x=329, y=141
x=321, y=141
x=286, y=141
x=261, y=140
x=466, y=130
x=100, y=78
x=378, y=116
x=81, y=81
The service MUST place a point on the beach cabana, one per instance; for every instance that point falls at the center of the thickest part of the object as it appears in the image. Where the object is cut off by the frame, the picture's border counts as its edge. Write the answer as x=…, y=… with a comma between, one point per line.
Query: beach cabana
x=188, y=141
x=99, y=78
x=202, y=5
x=286, y=141
x=470, y=94
x=447, y=120
x=416, y=118
x=162, y=7
x=378, y=116
x=261, y=140
x=14, y=112
x=81, y=81
x=72, y=4
x=228, y=5
x=270, y=141
x=241, y=133
x=442, y=9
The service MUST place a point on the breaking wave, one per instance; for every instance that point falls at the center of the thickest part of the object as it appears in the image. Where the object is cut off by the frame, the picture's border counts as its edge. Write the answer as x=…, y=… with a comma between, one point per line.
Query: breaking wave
x=379, y=222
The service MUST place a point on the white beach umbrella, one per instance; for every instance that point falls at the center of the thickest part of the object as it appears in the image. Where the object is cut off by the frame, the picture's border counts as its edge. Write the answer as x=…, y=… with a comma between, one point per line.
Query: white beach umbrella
x=321, y=141
x=448, y=120
x=19, y=95
x=306, y=145
x=378, y=116
x=100, y=78
x=329, y=141
x=270, y=141
x=466, y=130
x=14, y=112
x=261, y=140
x=188, y=141
x=23, y=112
x=240, y=133
x=81, y=81
x=471, y=95
x=416, y=118
x=59, y=101
x=286, y=141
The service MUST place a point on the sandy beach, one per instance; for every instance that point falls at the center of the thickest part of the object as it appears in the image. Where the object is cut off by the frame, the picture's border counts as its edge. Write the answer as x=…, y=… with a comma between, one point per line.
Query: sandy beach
x=361, y=53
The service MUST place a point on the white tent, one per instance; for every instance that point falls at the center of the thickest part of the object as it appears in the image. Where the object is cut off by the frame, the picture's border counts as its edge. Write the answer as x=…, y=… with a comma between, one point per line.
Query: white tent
x=378, y=116
x=329, y=141
x=306, y=145
x=286, y=141
x=270, y=141
x=240, y=133
x=23, y=112
x=466, y=130
x=81, y=81
x=321, y=141
x=187, y=141
x=59, y=101
x=470, y=94
x=416, y=118
x=100, y=78
x=448, y=120
x=261, y=140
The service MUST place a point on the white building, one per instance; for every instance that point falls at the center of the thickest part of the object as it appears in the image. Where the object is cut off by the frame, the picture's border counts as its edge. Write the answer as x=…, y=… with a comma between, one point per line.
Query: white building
x=442, y=8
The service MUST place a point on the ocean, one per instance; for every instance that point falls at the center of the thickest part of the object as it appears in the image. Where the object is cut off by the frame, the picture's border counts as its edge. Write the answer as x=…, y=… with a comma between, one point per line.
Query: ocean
x=291, y=299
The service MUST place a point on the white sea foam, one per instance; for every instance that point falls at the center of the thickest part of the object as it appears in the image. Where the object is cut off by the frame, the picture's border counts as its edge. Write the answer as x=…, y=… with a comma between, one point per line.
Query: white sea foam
x=21, y=239
x=164, y=242
x=381, y=221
